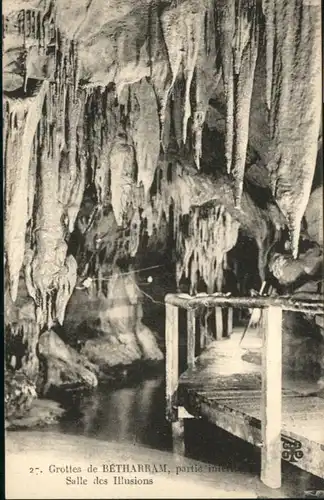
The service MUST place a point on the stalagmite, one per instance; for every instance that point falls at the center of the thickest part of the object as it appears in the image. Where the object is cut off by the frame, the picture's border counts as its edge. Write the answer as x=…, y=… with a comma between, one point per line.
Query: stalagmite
x=295, y=107
x=24, y=117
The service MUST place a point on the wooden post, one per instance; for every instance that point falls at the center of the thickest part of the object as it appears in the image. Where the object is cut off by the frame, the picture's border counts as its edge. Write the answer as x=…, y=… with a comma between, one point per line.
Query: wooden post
x=229, y=329
x=219, y=323
x=203, y=329
x=191, y=338
x=171, y=356
x=172, y=377
x=178, y=441
x=271, y=397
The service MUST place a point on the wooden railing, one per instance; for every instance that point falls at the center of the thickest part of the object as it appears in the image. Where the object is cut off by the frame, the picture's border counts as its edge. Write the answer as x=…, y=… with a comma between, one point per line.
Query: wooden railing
x=271, y=370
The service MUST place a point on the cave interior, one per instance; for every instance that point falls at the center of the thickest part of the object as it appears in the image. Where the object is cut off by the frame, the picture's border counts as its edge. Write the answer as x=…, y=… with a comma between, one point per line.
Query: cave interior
x=154, y=146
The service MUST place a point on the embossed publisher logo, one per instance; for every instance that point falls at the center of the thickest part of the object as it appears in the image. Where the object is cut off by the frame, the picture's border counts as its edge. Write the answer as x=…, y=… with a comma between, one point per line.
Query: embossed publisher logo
x=292, y=451
x=314, y=494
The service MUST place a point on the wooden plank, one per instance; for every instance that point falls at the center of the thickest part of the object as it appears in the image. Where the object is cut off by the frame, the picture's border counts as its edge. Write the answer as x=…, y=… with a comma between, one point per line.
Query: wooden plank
x=271, y=398
x=239, y=381
x=241, y=426
x=236, y=424
x=219, y=323
x=300, y=414
x=191, y=342
x=296, y=409
x=171, y=356
x=287, y=303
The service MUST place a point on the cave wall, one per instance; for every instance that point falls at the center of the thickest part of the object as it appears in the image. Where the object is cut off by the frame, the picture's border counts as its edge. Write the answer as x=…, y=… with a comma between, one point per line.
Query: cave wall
x=167, y=127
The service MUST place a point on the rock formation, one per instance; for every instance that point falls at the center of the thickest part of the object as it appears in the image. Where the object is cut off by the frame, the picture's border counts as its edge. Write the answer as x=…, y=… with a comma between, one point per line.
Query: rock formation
x=174, y=127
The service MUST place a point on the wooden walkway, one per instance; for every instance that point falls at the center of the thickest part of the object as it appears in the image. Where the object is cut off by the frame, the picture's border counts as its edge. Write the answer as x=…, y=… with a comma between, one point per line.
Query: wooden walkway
x=225, y=389
x=224, y=386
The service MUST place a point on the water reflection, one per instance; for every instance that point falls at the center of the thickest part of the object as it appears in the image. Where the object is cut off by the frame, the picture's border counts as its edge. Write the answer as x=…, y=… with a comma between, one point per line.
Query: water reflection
x=128, y=415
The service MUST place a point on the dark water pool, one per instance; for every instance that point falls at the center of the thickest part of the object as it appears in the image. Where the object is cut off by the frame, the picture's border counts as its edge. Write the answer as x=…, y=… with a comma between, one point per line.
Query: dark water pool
x=132, y=414
x=135, y=415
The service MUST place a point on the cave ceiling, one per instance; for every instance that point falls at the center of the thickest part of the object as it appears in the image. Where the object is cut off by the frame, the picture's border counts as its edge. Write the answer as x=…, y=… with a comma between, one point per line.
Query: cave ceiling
x=104, y=95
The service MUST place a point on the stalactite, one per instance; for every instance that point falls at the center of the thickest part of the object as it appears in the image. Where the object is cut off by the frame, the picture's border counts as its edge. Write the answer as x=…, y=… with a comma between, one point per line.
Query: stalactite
x=180, y=191
x=150, y=216
x=174, y=36
x=102, y=115
x=211, y=236
x=65, y=286
x=177, y=111
x=145, y=131
x=193, y=22
x=93, y=139
x=23, y=120
x=78, y=136
x=295, y=107
x=122, y=167
x=166, y=129
x=158, y=211
x=225, y=21
x=48, y=125
x=32, y=179
x=72, y=166
x=238, y=32
x=48, y=260
x=268, y=9
x=246, y=51
x=132, y=55
x=212, y=232
x=135, y=233
x=77, y=188
x=207, y=78
x=182, y=26
x=160, y=71
x=198, y=123
x=48, y=270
